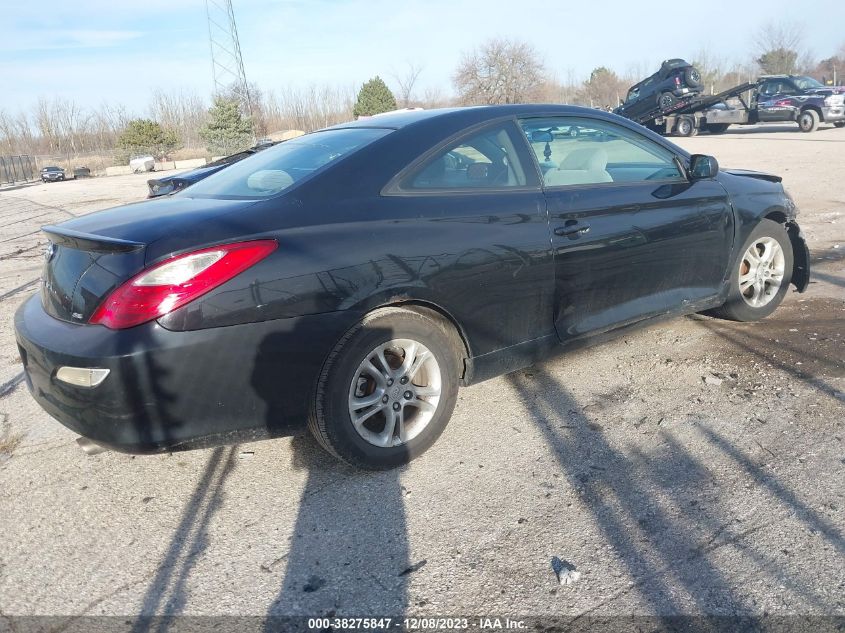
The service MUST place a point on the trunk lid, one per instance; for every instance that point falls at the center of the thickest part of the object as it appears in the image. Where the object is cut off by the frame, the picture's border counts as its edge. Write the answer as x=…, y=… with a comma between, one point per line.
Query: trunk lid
x=80, y=269
x=88, y=257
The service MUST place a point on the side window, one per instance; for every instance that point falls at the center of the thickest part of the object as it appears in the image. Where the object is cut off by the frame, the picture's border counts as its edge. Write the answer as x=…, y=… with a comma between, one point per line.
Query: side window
x=575, y=151
x=486, y=160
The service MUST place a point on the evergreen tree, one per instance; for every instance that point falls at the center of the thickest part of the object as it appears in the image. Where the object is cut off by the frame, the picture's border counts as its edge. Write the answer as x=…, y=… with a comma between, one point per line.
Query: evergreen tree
x=373, y=98
x=227, y=131
x=143, y=136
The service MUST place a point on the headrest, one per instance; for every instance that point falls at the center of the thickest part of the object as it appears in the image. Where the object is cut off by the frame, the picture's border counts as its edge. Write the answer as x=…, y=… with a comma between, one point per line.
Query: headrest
x=272, y=180
x=587, y=158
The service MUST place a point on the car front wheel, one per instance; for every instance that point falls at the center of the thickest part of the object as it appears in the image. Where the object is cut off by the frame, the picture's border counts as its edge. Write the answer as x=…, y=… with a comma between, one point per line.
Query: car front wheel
x=808, y=121
x=762, y=275
x=387, y=390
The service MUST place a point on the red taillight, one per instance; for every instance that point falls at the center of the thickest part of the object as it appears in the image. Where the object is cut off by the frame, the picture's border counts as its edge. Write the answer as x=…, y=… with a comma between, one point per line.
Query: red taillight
x=677, y=81
x=171, y=284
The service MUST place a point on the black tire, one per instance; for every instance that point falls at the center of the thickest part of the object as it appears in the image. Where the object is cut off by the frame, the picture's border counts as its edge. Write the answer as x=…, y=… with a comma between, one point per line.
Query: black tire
x=839, y=123
x=685, y=126
x=692, y=77
x=718, y=128
x=808, y=120
x=331, y=422
x=736, y=308
x=666, y=100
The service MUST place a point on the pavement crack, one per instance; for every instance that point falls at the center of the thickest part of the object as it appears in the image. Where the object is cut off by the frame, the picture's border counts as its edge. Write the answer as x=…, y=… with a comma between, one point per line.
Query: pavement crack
x=21, y=288
x=9, y=386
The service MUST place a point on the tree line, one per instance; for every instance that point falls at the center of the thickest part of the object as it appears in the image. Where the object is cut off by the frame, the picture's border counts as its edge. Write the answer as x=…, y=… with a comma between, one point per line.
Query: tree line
x=499, y=71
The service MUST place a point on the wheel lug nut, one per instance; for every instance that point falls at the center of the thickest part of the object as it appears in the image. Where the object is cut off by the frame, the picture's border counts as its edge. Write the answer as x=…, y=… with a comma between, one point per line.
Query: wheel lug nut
x=390, y=382
x=404, y=380
x=385, y=399
x=408, y=395
x=396, y=406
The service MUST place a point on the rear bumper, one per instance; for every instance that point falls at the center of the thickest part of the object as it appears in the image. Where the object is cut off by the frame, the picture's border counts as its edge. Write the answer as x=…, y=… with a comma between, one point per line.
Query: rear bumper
x=171, y=390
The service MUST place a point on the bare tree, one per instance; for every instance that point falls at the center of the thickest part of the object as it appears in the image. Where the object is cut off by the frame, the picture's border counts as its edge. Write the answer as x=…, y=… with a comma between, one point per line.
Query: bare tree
x=406, y=81
x=184, y=111
x=499, y=71
x=780, y=48
x=310, y=108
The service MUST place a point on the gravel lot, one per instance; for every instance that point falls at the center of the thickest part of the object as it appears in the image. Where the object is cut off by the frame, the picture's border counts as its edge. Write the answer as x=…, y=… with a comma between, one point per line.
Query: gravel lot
x=695, y=467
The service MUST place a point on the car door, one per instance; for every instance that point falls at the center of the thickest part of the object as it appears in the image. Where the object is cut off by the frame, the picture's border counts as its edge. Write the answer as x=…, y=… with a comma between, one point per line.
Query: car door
x=488, y=260
x=632, y=236
x=774, y=101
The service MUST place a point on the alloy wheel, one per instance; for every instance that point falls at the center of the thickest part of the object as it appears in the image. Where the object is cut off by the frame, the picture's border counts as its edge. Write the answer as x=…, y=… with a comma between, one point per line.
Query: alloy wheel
x=761, y=272
x=394, y=393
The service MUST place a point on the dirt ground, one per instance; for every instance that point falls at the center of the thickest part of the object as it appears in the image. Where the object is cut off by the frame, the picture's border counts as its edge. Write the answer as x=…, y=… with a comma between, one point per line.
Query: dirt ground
x=694, y=467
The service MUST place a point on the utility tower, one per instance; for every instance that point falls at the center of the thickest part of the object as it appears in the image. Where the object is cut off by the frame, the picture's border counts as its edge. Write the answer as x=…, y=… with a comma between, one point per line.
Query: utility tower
x=227, y=65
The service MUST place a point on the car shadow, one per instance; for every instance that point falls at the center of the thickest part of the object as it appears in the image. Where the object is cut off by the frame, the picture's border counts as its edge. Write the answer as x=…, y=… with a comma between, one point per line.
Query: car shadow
x=167, y=592
x=349, y=551
x=660, y=512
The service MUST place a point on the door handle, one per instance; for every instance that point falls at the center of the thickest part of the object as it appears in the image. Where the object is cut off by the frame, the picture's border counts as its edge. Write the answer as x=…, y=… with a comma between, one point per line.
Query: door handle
x=572, y=229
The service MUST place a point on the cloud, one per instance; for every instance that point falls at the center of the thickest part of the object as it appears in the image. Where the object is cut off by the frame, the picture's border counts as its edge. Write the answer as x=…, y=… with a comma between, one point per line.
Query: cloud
x=62, y=39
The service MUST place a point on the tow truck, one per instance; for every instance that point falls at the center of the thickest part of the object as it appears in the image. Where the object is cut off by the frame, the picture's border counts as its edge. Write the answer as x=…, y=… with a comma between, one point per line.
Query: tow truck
x=747, y=104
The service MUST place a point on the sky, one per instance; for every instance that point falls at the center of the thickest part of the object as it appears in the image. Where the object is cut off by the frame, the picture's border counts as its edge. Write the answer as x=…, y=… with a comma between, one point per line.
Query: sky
x=119, y=51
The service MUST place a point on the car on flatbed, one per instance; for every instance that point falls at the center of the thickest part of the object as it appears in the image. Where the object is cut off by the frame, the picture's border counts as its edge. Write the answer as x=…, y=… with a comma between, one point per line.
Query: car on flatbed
x=676, y=80
x=349, y=281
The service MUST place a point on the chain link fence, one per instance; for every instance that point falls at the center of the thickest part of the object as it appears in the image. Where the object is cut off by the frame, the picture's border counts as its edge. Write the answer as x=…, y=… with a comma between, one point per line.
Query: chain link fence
x=17, y=169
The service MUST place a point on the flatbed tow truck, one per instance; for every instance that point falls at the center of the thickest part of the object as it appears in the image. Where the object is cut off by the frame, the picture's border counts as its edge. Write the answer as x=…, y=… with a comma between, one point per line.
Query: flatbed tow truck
x=710, y=113
x=746, y=105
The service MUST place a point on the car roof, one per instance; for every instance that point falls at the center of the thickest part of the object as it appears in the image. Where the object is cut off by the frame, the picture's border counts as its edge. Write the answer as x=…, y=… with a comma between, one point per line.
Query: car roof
x=469, y=114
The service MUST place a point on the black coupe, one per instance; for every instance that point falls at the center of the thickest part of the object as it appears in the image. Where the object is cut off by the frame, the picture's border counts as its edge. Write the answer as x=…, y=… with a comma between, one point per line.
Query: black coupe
x=353, y=278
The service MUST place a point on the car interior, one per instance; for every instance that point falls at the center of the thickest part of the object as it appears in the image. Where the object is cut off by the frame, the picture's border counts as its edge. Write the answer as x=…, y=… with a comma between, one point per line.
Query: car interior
x=601, y=153
x=479, y=162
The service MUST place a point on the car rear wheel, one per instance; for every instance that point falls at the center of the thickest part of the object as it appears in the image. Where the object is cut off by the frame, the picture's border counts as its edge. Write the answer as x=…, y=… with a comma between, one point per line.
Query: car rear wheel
x=762, y=275
x=808, y=121
x=666, y=100
x=692, y=77
x=387, y=390
x=685, y=126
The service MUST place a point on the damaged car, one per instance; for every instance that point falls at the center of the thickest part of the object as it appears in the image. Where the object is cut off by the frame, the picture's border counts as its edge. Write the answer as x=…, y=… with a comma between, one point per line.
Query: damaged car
x=351, y=280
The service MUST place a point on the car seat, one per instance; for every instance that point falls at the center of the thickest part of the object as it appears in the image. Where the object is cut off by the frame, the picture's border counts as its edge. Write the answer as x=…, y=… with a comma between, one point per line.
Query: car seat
x=581, y=166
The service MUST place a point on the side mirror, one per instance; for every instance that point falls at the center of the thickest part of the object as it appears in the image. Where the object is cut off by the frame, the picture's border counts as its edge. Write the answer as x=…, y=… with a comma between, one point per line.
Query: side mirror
x=702, y=167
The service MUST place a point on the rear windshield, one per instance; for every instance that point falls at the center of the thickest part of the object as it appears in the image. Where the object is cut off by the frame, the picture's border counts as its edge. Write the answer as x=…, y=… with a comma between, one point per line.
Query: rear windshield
x=273, y=170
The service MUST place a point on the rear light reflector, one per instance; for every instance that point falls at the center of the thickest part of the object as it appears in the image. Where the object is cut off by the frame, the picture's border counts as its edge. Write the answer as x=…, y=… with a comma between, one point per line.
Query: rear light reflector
x=82, y=376
x=169, y=285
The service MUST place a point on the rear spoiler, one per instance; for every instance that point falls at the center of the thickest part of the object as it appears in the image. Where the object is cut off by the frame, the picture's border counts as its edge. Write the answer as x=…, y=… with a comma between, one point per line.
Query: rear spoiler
x=89, y=242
